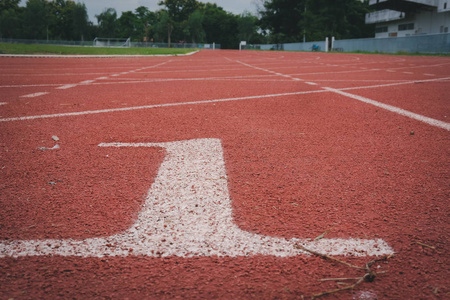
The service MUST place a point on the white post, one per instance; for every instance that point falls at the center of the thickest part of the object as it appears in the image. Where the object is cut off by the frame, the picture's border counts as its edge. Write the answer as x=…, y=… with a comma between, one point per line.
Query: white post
x=214, y=46
x=326, y=44
x=332, y=43
x=243, y=43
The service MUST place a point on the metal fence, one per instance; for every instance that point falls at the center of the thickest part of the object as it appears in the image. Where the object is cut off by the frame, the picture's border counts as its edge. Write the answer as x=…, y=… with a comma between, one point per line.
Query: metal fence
x=308, y=46
x=176, y=45
x=92, y=43
x=430, y=43
x=47, y=42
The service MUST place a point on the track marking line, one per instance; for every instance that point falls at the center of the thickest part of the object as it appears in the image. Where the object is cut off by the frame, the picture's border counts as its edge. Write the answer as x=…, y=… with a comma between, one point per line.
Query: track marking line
x=3, y=103
x=88, y=82
x=268, y=71
x=30, y=85
x=67, y=86
x=406, y=113
x=81, y=113
x=427, y=120
x=395, y=84
x=44, y=75
x=187, y=213
x=34, y=95
x=91, y=112
x=96, y=56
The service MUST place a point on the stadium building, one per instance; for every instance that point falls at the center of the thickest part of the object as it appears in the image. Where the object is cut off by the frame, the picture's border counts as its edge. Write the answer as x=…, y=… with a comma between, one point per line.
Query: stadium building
x=400, y=18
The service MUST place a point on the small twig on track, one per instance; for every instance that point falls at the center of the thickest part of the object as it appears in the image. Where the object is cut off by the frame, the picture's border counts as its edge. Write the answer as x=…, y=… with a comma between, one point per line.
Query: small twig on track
x=349, y=287
x=322, y=235
x=424, y=245
x=369, y=275
x=340, y=279
x=328, y=257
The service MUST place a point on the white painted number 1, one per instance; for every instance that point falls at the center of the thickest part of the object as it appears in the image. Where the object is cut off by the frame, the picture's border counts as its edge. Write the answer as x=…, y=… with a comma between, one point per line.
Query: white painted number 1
x=188, y=213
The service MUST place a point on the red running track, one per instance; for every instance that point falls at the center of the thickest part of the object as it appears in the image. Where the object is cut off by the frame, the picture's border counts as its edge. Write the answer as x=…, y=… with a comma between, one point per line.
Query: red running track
x=356, y=146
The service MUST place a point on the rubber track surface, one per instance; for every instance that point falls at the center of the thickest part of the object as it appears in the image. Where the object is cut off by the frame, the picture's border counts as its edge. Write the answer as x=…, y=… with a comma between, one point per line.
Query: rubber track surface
x=305, y=154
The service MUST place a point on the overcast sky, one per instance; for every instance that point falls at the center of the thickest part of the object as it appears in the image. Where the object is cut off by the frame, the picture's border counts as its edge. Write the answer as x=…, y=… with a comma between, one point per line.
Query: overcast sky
x=96, y=7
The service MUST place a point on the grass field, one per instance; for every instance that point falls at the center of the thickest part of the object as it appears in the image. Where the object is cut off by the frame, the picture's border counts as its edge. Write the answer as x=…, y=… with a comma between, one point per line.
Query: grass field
x=6, y=48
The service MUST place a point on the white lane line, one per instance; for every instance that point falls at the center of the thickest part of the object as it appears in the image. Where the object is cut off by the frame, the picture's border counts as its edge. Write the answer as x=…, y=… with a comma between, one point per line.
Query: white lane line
x=54, y=74
x=311, y=83
x=135, y=80
x=67, y=86
x=96, y=56
x=429, y=74
x=34, y=95
x=269, y=71
x=3, y=103
x=205, y=101
x=188, y=212
x=88, y=82
x=395, y=84
x=394, y=109
x=29, y=85
x=427, y=120
x=91, y=112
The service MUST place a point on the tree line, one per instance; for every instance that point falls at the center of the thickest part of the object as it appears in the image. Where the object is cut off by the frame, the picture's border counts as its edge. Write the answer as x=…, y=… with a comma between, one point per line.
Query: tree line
x=191, y=21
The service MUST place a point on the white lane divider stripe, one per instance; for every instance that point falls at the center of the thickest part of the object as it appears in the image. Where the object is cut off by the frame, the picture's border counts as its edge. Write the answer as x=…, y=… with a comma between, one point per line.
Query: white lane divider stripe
x=66, y=86
x=394, y=109
x=87, y=82
x=34, y=95
x=91, y=112
x=188, y=212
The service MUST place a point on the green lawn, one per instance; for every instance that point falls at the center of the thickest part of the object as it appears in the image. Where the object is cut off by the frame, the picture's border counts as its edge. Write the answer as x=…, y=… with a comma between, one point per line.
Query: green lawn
x=6, y=48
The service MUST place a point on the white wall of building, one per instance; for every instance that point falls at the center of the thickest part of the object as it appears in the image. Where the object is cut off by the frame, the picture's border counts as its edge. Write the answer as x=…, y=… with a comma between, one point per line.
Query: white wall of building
x=425, y=22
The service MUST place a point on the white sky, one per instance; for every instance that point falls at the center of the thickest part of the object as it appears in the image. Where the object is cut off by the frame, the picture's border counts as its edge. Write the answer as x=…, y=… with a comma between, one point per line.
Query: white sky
x=96, y=7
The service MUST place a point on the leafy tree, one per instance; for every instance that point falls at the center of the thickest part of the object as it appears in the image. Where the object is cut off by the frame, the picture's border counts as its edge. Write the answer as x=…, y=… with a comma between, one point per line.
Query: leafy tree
x=127, y=25
x=9, y=4
x=282, y=18
x=35, y=19
x=60, y=17
x=164, y=27
x=80, y=22
x=339, y=18
x=220, y=26
x=10, y=18
x=179, y=10
x=289, y=20
x=247, y=27
x=146, y=21
x=107, y=23
x=195, y=27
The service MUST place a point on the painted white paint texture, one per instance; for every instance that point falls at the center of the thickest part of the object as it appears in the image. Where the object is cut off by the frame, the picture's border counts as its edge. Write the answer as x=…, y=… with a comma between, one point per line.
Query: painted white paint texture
x=188, y=212
x=34, y=95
